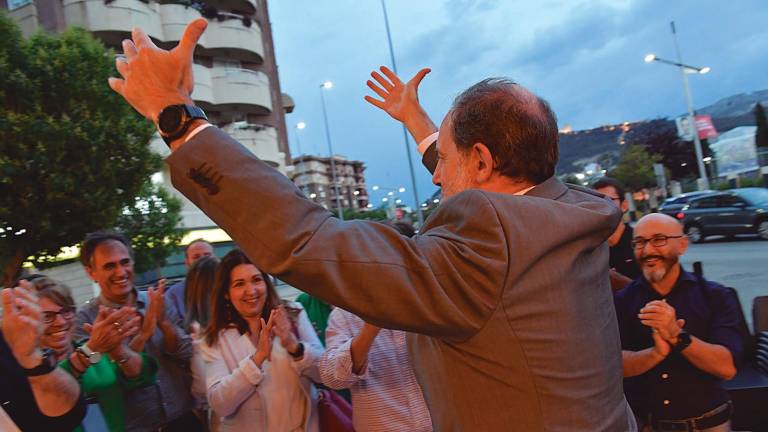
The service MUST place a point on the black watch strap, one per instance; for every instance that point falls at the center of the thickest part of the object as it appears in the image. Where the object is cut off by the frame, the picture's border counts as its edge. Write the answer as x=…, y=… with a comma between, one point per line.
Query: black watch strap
x=46, y=366
x=186, y=114
x=683, y=341
x=299, y=351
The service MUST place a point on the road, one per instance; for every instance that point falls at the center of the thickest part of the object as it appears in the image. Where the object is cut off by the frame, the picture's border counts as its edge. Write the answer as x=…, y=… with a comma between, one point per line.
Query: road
x=741, y=263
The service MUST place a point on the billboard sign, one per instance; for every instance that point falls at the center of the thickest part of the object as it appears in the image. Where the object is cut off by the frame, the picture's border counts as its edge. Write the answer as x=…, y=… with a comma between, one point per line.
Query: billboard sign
x=704, y=126
x=735, y=151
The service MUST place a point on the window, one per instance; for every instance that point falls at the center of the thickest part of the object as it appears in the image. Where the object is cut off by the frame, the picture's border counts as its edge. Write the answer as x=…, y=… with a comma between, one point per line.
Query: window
x=706, y=203
x=15, y=4
x=731, y=201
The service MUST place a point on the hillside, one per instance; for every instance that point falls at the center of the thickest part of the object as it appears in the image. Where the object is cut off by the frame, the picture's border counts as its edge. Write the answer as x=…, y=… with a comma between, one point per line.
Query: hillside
x=604, y=144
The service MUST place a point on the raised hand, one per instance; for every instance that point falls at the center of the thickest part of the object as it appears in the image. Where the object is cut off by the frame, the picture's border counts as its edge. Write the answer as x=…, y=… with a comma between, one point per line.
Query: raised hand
x=22, y=324
x=264, y=342
x=111, y=328
x=661, y=316
x=154, y=314
x=153, y=78
x=401, y=101
x=284, y=330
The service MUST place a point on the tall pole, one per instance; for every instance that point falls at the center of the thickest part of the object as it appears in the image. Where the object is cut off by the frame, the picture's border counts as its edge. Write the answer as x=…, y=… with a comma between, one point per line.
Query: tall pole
x=330, y=150
x=405, y=131
x=298, y=141
x=704, y=182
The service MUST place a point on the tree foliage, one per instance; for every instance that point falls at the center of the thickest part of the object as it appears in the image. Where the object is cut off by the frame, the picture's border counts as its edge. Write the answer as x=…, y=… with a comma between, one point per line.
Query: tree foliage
x=375, y=214
x=635, y=167
x=151, y=224
x=72, y=153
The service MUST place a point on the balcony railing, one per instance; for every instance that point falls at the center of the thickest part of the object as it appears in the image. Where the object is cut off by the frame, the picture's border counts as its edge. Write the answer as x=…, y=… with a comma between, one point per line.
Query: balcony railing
x=243, y=90
x=165, y=23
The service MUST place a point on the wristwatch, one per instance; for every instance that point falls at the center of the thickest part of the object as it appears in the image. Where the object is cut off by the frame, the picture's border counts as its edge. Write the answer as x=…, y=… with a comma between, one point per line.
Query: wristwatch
x=46, y=366
x=92, y=356
x=299, y=351
x=174, y=120
x=683, y=340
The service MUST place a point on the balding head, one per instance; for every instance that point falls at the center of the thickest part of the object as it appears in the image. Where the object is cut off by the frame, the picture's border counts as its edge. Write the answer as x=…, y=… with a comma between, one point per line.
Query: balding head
x=658, y=223
x=518, y=127
x=659, y=242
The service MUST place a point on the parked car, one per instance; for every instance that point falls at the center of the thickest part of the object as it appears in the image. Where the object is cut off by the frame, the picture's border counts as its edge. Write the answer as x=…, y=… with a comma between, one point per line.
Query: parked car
x=728, y=213
x=671, y=206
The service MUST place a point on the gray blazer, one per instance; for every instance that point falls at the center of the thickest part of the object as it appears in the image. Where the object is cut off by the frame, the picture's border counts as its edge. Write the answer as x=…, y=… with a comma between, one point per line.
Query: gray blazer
x=508, y=295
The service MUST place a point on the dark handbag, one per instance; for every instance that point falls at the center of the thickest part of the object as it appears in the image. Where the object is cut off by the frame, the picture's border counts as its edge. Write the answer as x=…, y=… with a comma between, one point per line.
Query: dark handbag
x=334, y=412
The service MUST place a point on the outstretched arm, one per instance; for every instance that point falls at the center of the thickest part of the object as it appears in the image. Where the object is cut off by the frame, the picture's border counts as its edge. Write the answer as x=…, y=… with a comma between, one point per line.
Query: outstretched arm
x=401, y=101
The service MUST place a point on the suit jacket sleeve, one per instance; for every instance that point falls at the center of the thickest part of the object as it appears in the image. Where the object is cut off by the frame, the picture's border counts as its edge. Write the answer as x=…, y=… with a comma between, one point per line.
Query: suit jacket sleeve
x=443, y=283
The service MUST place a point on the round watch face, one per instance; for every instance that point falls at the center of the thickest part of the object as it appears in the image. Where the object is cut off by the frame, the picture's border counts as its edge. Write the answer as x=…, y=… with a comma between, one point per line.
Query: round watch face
x=94, y=358
x=170, y=119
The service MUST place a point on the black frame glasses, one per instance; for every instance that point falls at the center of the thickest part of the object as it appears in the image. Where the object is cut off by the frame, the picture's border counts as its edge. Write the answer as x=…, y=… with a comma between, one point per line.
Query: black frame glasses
x=66, y=312
x=656, y=241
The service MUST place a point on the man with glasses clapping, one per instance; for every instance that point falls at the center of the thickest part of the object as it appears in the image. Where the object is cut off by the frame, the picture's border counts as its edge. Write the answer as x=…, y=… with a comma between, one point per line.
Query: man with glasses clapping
x=679, y=335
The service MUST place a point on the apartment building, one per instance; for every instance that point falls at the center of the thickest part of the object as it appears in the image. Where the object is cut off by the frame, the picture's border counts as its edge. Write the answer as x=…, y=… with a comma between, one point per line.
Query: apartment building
x=236, y=79
x=312, y=174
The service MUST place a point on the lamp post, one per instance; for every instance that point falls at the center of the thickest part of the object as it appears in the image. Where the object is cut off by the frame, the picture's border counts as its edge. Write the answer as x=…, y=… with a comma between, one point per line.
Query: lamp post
x=299, y=126
x=684, y=71
x=323, y=86
x=405, y=131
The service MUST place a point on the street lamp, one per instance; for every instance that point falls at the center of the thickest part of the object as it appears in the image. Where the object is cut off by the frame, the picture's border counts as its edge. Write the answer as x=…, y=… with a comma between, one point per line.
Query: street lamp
x=684, y=71
x=405, y=131
x=328, y=85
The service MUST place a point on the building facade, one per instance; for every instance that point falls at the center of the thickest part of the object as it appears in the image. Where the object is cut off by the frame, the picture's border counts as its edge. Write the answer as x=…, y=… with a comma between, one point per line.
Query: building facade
x=236, y=80
x=312, y=174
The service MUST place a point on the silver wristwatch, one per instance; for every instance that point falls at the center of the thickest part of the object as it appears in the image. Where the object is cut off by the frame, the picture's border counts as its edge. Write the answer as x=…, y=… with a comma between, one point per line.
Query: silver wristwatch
x=92, y=356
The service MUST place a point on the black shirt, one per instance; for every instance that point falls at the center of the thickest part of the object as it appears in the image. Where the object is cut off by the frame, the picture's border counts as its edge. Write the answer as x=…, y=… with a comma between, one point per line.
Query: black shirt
x=675, y=388
x=18, y=401
x=622, y=256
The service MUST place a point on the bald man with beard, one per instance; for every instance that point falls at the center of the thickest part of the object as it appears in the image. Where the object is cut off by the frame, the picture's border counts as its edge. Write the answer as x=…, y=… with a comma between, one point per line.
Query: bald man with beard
x=679, y=335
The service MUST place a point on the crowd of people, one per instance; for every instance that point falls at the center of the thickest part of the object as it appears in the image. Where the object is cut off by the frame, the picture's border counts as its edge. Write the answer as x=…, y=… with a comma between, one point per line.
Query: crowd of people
x=522, y=304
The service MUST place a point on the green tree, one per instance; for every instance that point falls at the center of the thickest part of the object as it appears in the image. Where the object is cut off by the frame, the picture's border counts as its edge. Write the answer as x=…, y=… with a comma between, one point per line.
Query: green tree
x=151, y=224
x=375, y=214
x=72, y=153
x=635, y=167
x=762, y=126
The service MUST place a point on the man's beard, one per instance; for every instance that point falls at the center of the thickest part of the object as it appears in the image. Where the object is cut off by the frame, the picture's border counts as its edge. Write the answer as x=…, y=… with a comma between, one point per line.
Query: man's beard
x=660, y=270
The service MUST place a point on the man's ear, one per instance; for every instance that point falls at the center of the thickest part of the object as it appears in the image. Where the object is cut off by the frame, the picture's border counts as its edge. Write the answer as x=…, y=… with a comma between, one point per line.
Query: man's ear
x=89, y=272
x=624, y=206
x=482, y=162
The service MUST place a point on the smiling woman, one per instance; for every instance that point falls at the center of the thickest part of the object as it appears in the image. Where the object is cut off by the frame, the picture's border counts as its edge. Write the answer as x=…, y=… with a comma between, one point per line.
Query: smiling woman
x=104, y=365
x=259, y=354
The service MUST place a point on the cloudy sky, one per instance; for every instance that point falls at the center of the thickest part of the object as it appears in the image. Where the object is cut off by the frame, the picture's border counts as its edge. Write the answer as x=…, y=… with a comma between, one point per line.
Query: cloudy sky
x=584, y=56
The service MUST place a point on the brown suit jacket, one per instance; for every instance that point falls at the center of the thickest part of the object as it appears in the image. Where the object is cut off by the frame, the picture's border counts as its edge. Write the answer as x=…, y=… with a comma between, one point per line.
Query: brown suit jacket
x=508, y=295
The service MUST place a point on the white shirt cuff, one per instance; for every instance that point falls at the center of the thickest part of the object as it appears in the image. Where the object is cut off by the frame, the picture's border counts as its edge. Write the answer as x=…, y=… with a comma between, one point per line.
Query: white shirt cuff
x=426, y=142
x=197, y=130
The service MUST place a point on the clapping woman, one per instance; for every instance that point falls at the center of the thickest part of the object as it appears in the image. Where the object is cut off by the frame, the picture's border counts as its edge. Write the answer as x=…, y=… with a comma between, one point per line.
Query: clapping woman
x=104, y=365
x=260, y=355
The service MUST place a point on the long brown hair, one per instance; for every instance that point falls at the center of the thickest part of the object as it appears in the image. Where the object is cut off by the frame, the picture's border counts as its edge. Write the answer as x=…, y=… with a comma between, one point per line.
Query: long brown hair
x=223, y=312
x=200, y=282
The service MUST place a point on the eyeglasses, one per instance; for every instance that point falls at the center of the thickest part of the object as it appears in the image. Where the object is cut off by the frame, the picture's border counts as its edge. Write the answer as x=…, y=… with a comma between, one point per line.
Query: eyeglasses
x=67, y=313
x=657, y=241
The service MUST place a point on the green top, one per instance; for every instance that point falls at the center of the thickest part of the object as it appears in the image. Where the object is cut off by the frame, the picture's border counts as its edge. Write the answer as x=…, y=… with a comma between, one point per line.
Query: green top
x=106, y=382
x=317, y=311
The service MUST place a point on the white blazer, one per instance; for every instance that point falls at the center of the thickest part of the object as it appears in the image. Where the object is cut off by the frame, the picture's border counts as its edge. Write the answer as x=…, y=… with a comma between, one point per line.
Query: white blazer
x=237, y=389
